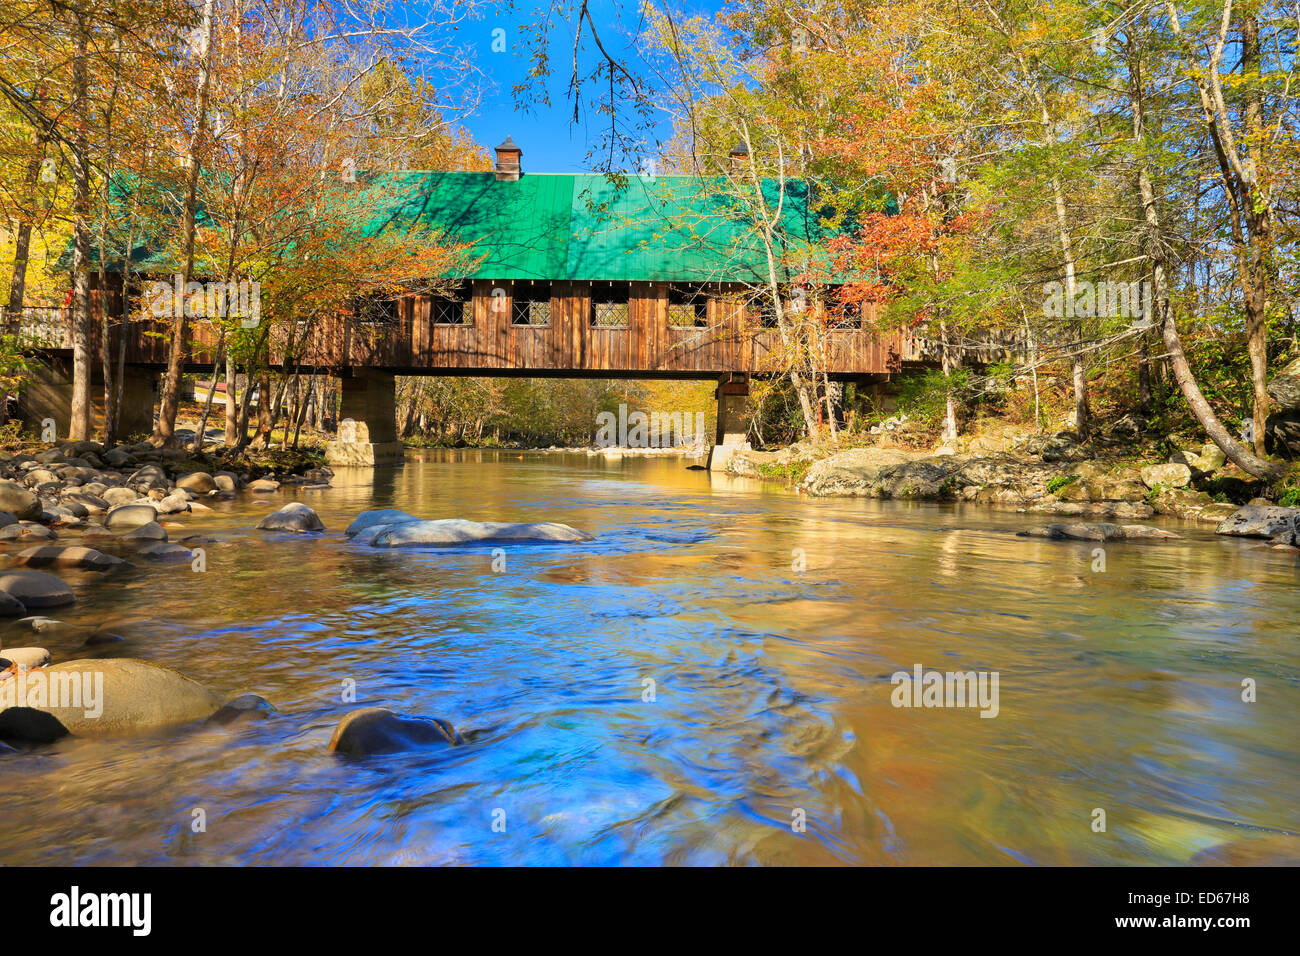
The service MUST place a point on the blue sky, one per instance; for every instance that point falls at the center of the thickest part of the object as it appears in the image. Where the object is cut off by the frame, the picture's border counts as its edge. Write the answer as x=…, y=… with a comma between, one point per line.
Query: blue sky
x=550, y=142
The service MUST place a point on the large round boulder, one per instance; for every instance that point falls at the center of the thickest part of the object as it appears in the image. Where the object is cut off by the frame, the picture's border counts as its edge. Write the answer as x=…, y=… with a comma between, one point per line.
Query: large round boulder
x=36, y=589
x=127, y=517
x=449, y=531
x=27, y=531
x=119, y=496
x=20, y=502
x=199, y=482
x=294, y=516
x=377, y=730
x=56, y=556
x=382, y=516
x=101, y=697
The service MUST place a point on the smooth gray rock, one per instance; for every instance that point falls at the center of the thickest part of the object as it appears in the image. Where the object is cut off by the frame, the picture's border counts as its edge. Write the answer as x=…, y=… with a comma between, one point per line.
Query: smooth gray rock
x=199, y=482
x=58, y=556
x=36, y=589
x=127, y=517
x=10, y=606
x=382, y=516
x=136, y=696
x=458, y=531
x=167, y=553
x=1098, y=531
x=294, y=516
x=119, y=496
x=19, y=501
x=27, y=531
x=377, y=730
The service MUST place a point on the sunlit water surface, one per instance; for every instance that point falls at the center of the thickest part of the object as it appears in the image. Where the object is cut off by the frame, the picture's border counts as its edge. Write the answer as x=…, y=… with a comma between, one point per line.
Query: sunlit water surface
x=676, y=692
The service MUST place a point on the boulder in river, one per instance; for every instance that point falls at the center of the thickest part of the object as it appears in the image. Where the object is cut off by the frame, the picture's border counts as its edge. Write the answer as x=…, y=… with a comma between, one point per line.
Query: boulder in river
x=119, y=496
x=199, y=482
x=126, y=517
x=294, y=516
x=447, y=531
x=10, y=606
x=1098, y=531
x=152, y=531
x=27, y=531
x=36, y=589
x=20, y=502
x=243, y=708
x=381, y=516
x=167, y=553
x=377, y=730
x=28, y=658
x=56, y=556
x=101, y=697
x=1252, y=521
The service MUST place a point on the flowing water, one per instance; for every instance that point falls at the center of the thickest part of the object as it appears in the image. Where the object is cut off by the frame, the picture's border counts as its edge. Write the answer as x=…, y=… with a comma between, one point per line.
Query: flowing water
x=708, y=681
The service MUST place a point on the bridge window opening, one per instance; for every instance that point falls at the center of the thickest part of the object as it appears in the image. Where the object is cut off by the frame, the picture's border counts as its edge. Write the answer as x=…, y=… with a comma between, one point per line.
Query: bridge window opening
x=842, y=316
x=765, y=311
x=376, y=310
x=609, y=305
x=453, y=309
x=530, y=304
x=688, y=307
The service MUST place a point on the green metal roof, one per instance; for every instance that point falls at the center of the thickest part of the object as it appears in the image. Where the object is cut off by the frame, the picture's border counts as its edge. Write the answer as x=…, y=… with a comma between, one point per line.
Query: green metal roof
x=557, y=227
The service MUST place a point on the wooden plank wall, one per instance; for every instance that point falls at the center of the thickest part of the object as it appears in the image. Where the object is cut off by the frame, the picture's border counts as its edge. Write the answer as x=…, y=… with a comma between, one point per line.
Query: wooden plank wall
x=730, y=343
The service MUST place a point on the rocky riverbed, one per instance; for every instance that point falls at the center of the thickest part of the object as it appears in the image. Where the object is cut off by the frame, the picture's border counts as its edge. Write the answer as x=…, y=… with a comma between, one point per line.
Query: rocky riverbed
x=58, y=503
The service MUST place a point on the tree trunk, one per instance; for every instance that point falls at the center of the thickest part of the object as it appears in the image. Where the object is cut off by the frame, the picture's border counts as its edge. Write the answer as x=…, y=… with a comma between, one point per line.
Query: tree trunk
x=169, y=400
x=1238, y=454
x=79, y=426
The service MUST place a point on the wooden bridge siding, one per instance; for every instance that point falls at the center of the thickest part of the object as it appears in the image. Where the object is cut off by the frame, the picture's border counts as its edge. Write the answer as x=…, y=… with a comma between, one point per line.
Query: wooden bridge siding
x=492, y=342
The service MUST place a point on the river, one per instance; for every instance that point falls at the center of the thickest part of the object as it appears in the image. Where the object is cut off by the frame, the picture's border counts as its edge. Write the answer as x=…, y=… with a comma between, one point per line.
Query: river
x=707, y=682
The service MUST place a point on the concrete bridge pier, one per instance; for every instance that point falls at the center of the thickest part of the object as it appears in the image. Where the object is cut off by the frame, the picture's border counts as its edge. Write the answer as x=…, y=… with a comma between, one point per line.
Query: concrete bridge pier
x=47, y=394
x=367, y=434
x=732, y=395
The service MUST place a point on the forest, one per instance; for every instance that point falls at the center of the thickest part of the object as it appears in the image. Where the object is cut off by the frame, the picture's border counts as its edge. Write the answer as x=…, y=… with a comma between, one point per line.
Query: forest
x=1101, y=191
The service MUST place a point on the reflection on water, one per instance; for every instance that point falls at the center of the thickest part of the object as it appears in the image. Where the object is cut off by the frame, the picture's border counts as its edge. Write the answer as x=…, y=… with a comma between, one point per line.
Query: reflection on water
x=770, y=686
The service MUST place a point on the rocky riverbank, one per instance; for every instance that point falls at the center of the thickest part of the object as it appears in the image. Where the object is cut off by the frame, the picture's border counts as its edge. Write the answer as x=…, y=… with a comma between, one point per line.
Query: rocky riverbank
x=1052, y=475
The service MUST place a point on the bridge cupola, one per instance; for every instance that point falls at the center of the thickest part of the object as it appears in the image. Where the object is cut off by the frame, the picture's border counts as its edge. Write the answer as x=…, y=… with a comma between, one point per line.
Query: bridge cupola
x=508, y=167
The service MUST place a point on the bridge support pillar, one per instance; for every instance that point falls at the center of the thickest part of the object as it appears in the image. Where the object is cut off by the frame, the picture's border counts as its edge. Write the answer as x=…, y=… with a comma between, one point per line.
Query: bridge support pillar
x=48, y=394
x=732, y=394
x=367, y=433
